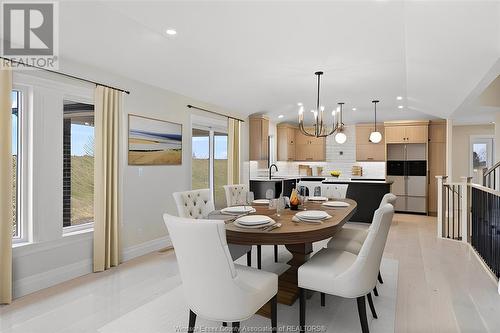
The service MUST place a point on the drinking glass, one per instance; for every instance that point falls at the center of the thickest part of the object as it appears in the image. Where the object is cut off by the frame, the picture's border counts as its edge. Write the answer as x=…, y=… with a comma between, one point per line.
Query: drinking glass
x=280, y=206
x=250, y=198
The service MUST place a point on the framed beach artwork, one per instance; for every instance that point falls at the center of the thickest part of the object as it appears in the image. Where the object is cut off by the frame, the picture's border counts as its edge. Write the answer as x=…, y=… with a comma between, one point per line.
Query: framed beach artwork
x=153, y=141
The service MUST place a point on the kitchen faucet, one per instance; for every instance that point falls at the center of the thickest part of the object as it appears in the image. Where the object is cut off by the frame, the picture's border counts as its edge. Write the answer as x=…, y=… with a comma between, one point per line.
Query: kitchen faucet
x=270, y=167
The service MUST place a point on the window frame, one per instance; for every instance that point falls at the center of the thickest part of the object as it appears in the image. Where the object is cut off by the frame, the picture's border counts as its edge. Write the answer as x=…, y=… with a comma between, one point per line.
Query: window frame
x=23, y=195
x=216, y=128
x=73, y=229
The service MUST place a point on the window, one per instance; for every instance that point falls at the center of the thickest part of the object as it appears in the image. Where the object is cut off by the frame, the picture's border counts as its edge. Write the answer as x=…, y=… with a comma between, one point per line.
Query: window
x=200, y=165
x=78, y=164
x=209, y=163
x=220, y=168
x=16, y=135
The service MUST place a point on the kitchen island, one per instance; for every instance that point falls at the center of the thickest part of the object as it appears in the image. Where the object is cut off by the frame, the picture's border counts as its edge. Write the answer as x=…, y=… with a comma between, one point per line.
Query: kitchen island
x=365, y=191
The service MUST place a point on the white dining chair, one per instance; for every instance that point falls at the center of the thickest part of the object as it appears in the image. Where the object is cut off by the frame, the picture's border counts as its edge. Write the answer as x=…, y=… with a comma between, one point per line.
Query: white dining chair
x=214, y=287
x=237, y=195
x=342, y=273
x=197, y=204
x=334, y=191
x=351, y=238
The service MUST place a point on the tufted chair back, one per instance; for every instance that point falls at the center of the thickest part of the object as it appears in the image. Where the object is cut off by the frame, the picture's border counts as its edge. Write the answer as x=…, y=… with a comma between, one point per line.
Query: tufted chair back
x=195, y=204
x=388, y=198
x=236, y=194
x=334, y=191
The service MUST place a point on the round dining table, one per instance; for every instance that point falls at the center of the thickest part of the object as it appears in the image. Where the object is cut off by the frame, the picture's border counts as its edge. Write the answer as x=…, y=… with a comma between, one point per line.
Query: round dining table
x=297, y=237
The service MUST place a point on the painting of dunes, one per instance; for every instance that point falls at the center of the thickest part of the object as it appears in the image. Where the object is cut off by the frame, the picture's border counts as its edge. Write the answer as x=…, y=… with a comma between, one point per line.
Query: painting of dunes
x=154, y=142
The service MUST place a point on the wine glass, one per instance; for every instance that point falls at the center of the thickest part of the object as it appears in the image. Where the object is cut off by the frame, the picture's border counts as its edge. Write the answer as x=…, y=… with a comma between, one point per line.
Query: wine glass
x=250, y=198
x=280, y=206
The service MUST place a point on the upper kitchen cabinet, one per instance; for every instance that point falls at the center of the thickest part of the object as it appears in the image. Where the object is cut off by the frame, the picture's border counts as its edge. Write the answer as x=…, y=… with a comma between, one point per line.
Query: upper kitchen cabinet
x=286, y=142
x=259, y=138
x=437, y=160
x=406, y=131
x=366, y=150
x=308, y=148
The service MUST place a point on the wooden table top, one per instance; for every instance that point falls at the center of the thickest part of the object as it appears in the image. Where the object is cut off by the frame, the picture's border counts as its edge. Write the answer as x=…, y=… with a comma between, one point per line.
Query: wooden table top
x=292, y=232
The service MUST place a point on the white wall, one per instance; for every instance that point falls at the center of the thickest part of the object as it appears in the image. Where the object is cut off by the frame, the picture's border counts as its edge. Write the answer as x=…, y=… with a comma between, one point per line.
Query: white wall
x=146, y=191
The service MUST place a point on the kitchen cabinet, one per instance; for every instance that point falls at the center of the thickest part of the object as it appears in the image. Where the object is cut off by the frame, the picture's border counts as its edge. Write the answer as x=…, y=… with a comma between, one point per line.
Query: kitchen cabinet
x=309, y=148
x=259, y=138
x=437, y=160
x=366, y=150
x=286, y=142
x=406, y=132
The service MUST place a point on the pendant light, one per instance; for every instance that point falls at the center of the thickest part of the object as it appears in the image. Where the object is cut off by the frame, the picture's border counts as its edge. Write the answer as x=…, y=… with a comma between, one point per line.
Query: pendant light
x=320, y=130
x=375, y=136
x=340, y=137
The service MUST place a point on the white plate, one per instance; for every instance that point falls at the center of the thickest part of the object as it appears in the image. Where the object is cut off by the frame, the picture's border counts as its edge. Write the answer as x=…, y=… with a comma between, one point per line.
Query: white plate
x=238, y=210
x=336, y=204
x=259, y=222
x=254, y=220
x=261, y=202
x=317, y=199
x=312, y=215
x=301, y=219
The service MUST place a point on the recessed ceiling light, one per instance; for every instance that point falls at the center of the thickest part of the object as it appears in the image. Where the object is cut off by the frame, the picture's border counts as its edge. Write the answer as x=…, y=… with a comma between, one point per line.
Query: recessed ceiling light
x=299, y=104
x=171, y=32
x=280, y=116
x=400, y=107
x=399, y=98
x=354, y=109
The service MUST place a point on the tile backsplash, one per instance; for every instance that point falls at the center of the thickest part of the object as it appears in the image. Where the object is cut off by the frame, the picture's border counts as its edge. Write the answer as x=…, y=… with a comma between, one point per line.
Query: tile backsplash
x=338, y=157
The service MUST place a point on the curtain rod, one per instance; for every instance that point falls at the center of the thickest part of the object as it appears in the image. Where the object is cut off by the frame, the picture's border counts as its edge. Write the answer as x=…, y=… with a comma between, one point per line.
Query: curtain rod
x=66, y=75
x=217, y=113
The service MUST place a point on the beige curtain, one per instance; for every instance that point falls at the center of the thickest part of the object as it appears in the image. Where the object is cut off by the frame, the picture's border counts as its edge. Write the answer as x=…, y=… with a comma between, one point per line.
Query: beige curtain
x=5, y=186
x=108, y=105
x=233, y=151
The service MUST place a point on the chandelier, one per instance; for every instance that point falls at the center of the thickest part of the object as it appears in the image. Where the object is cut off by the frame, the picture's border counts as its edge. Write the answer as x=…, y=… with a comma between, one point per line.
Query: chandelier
x=320, y=130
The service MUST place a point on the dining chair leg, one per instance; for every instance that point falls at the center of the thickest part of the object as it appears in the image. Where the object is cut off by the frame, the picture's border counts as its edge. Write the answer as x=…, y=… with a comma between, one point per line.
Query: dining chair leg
x=302, y=311
x=236, y=327
x=224, y=323
x=375, y=291
x=249, y=258
x=192, y=321
x=274, y=314
x=372, y=307
x=259, y=256
x=380, y=278
x=322, y=299
x=362, y=314
x=275, y=253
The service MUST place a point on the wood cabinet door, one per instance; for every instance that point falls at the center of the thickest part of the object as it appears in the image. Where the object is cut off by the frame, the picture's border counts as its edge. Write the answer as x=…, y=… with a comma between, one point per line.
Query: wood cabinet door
x=363, y=134
x=255, y=136
x=290, y=133
x=370, y=152
x=291, y=154
x=437, y=167
x=437, y=132
x=317, y=152
x=300, y=139
x=282, y=143
x=265, y=139
x=304, y=152
x=395, y=134
x=416, y=134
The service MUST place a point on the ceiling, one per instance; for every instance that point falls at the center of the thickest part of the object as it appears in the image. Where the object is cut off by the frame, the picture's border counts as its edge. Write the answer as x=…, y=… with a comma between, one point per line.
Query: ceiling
x=260, y=57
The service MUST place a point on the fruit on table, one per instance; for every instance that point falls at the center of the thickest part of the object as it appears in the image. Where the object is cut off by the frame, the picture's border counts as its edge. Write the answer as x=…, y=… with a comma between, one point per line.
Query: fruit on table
x=335, y=173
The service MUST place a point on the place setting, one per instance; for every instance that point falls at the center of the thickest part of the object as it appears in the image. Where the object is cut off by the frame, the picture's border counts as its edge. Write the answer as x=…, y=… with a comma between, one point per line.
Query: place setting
x=311, y=216
x=262, y=222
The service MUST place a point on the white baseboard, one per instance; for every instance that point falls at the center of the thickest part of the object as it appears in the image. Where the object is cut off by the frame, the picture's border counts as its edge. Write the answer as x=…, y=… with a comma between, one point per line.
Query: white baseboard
x=145, y=248
x=51, y=277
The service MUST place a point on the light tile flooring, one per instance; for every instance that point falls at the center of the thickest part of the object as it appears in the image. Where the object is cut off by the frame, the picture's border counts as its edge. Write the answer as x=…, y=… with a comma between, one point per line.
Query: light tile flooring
x=441, y=288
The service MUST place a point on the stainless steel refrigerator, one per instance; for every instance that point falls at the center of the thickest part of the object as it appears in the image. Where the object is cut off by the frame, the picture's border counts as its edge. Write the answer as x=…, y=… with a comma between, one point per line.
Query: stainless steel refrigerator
x=407, y=168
